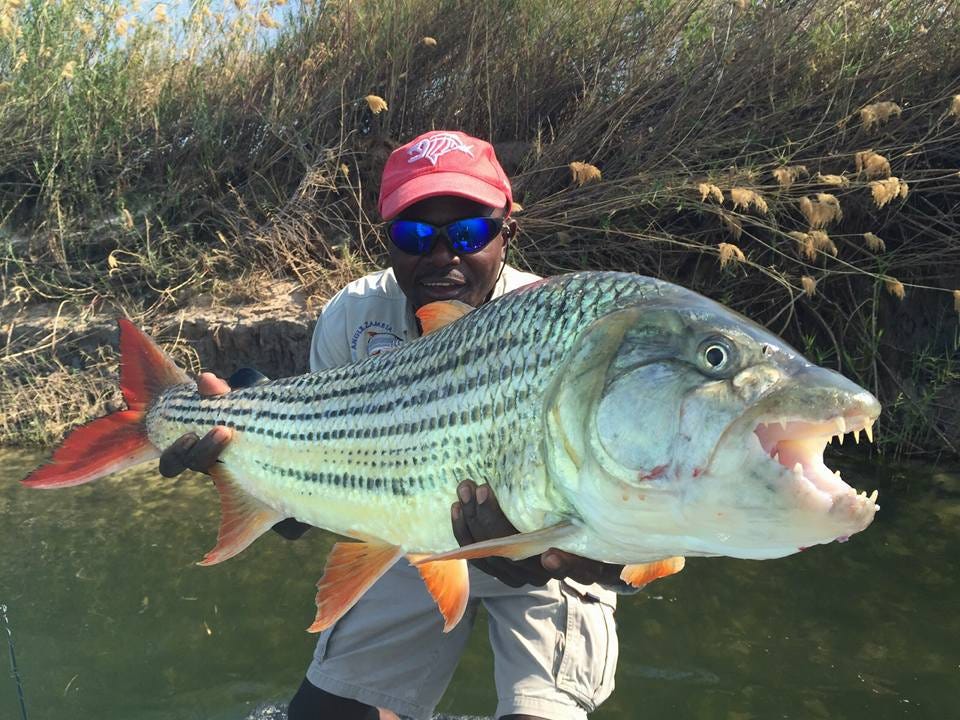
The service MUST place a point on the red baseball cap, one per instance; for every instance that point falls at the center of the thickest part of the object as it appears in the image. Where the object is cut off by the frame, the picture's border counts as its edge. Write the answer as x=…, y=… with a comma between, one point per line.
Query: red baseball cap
x=443, y=162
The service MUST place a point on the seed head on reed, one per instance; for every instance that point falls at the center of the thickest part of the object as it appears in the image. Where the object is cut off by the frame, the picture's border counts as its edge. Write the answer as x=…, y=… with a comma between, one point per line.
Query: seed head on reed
x=835, y=180
x=894, y=287
x=160, y=14
x=376, y=104
x=804, y=244
x=809, y=285
x=584, y=172
x=872, y=164
x=266, y=20
x=240, y=4
x=8, y=28
x=733, y=224
x=874, y=243
x=744, y=197
x=821, y=210
x=121, y=27
x=877, y=113
x=710, y=190
x=344, y=169
x=127, y=219
x=955, y=106
x=87, y=30
x=822, y=241
x=278, y=3
x=68, y=70
x=956, y=300
x=730, y=253
x=886, y=190
x=428, y=41
x=786, y=175
x=516, y=208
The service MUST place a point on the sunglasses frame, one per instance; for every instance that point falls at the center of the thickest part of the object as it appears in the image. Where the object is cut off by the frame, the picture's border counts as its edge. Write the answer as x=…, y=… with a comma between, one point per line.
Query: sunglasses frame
x=443, y=230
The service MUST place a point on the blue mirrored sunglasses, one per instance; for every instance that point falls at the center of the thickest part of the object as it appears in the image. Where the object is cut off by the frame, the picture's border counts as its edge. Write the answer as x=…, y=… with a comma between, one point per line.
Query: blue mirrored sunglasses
x=463, y=237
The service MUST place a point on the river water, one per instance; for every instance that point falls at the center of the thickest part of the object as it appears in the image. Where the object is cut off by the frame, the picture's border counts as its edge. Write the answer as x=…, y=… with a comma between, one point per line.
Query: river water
x=111, y=618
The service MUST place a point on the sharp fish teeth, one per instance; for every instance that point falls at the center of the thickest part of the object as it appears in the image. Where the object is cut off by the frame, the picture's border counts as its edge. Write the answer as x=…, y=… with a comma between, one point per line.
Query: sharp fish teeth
x=856, y=437
x=798, y=469
x=868, y=429
x=841, y=425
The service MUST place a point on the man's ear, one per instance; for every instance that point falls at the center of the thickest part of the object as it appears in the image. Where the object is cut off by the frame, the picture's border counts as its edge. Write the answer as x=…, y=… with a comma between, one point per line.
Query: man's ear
x=509, y=230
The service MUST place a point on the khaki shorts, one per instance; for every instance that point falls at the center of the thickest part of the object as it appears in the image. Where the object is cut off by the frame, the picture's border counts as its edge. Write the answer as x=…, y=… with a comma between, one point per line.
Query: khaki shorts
x=555, y=648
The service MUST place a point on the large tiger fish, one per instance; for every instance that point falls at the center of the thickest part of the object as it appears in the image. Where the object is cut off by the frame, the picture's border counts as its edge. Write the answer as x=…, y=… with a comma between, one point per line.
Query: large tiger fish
x=615, y=416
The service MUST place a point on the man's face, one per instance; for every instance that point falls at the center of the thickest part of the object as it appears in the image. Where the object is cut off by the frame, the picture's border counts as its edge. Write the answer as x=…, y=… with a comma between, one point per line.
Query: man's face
x=442, y=274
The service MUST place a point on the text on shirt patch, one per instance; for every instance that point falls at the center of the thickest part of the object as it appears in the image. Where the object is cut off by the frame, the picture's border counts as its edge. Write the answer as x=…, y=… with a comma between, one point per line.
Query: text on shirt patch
x=435, y=146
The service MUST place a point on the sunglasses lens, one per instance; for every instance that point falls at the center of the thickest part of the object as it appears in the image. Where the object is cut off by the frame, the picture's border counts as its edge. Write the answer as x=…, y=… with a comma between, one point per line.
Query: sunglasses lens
x=473, y=234
x=415, y=238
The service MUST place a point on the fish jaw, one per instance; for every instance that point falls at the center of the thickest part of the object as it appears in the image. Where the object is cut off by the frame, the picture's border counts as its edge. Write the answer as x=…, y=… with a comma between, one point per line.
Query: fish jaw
x=770, y=462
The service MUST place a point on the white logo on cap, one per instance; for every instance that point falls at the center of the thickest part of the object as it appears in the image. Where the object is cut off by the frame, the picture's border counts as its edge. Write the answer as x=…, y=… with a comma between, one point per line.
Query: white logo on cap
x=435, y=146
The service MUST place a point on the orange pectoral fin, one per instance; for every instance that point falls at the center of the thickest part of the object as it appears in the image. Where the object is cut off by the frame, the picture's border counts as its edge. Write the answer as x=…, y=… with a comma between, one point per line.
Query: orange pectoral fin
x=243, y=518
x=515, y=547
x=449, y=583
x=352, y=567
x=640, y=575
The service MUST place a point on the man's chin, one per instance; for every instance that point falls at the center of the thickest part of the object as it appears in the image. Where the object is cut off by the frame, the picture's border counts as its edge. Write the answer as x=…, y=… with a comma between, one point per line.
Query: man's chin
x=437, y=293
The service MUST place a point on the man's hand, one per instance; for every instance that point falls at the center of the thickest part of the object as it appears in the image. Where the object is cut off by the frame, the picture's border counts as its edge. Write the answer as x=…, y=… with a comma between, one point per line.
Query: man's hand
x=189, y=453
x=477, y=516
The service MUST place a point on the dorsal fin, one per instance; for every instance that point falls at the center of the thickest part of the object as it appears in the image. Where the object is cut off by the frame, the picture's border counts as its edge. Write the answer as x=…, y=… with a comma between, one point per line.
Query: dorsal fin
x=436, y=315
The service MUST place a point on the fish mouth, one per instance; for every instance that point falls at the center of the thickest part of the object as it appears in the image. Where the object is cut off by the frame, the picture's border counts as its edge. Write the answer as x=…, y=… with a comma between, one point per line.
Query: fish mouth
x=797, y=444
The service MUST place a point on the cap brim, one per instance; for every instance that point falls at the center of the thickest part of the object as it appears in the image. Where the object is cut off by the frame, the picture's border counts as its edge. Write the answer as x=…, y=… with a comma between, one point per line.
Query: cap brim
x=441, y=183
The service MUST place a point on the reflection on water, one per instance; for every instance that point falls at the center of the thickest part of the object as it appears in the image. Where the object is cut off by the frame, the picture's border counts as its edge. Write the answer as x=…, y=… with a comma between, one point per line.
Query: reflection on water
x=112, y=618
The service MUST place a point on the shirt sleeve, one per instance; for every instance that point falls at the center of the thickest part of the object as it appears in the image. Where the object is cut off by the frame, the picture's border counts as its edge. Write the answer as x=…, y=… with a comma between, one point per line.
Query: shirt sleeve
x=329, y=346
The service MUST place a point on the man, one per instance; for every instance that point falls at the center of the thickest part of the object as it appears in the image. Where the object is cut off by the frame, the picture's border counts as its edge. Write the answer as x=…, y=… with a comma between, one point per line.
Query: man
x=447, y=202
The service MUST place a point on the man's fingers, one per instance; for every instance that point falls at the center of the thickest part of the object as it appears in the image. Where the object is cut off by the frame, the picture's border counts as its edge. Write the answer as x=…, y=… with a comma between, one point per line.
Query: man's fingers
x=173, y=461
x=210, y=384
x=208, y=448
x=562, y=564
x=489, y=520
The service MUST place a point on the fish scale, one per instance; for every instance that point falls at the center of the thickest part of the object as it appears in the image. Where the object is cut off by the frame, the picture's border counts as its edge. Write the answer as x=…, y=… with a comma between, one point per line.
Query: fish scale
x=378, y=447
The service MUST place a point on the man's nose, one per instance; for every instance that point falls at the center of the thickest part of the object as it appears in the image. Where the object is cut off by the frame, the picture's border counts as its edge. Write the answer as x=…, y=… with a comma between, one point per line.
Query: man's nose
x=441, y=254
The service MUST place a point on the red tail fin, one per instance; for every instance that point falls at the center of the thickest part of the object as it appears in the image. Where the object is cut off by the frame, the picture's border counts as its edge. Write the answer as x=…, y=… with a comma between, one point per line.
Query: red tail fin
x=119, y=440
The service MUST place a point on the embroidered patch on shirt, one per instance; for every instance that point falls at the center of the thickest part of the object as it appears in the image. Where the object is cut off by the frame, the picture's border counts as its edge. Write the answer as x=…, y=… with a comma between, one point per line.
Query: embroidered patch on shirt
x=436, y=146
x=378, y=342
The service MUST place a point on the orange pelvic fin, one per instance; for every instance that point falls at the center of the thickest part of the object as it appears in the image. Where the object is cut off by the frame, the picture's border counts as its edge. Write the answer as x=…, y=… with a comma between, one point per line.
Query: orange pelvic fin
x=449, y=583
x=436, y=315
x=352, y=567
x=640, y=575
x=119, y=440
x=243, y=518
x=515, y=547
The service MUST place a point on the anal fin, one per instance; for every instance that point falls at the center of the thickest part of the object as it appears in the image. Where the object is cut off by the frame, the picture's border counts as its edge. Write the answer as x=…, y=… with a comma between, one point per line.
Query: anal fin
x=515, y=547
x=641, y=574
x=448, y=582
x=243, y=517
x=352, y=567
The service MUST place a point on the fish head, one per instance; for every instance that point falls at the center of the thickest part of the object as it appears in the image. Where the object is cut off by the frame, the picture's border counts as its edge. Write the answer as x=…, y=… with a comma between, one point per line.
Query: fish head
x=701, y=433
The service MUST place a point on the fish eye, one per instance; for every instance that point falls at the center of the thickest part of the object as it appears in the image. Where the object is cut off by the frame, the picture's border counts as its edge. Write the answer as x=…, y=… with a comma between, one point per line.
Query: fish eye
x=715, y=354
